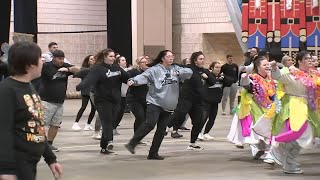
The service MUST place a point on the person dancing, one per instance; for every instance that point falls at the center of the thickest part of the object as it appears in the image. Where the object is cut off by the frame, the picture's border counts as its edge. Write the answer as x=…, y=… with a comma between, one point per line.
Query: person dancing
x=163, y=79
x=257, y=102
x=297, y=124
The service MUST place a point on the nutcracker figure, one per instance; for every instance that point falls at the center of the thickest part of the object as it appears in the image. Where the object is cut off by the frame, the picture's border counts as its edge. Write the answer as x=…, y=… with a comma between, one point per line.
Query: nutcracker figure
x=292, y=25
x=273, y=34
x=257, y=23
x=313, y=26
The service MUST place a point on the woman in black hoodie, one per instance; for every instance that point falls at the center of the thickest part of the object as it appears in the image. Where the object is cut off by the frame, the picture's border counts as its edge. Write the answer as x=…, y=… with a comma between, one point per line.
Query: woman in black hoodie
x=191, y=98
x=213, y=94
x=106, y=77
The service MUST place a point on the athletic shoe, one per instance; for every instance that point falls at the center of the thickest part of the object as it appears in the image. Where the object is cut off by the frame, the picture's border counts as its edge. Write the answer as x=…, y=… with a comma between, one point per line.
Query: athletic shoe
x=200, y=137
x=208, y=137
x=110, y=146
x=87, y=127
x=155, y=157
x=175, y=134
x=194, y=147
x=76, y=126
x=96, y=136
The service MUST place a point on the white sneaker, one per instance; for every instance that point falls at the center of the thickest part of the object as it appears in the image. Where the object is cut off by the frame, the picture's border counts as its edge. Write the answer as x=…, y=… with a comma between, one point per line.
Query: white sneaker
x=96, y=136
x=201, y=137
x=76, y=126
x=207, y=137
x=87, y=127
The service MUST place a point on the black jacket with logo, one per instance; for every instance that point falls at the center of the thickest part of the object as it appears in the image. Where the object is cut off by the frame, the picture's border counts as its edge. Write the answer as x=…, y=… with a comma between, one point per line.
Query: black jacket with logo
x=107, y=80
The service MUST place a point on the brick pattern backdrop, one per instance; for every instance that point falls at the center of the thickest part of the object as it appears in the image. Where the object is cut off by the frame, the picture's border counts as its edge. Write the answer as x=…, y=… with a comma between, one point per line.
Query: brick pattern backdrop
x=203, y=25
x=72, y=15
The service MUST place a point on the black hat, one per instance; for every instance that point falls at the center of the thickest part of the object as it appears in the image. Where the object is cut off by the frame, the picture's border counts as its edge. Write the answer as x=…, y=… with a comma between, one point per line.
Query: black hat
x=58, y=53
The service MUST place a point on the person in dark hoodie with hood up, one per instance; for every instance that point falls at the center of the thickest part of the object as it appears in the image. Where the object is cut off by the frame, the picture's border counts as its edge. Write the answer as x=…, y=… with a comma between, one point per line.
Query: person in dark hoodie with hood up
x=191, y=99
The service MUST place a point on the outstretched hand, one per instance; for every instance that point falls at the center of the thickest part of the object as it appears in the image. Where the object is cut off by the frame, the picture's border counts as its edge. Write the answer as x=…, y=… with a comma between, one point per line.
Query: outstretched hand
x=130, y=82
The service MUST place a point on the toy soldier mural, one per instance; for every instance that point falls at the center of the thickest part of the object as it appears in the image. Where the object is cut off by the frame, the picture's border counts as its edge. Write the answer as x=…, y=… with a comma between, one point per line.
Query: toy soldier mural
x=313, y=26
x=286, y=25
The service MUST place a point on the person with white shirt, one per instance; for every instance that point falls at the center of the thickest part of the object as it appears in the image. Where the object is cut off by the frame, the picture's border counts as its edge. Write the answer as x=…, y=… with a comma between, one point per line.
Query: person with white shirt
x=48, y=55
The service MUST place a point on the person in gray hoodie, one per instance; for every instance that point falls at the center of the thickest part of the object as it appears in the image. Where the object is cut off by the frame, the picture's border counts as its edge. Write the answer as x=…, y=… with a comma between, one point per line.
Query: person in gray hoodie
x=163, y=80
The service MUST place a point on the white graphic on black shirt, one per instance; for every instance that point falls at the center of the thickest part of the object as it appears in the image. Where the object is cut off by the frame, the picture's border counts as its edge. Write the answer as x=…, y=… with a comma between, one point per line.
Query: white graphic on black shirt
x=112, y=74
x=59, y=75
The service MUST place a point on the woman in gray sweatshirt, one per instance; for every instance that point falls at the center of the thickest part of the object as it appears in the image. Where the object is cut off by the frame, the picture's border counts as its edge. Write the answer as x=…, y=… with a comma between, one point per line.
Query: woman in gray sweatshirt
x=163, y=80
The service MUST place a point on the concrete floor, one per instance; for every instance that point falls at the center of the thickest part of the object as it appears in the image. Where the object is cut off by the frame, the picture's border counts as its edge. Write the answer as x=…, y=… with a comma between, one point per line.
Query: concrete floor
x=79, y=155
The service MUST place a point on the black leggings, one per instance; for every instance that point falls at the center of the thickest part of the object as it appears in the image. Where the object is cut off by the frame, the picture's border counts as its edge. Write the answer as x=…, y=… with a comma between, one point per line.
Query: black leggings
x=85, y=100
x=211, y=111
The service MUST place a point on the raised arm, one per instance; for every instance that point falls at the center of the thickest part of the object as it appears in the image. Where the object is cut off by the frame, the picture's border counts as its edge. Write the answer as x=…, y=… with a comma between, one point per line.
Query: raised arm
x=184, y=73
x=276, y=74
x=7, y=105
x=144, y=78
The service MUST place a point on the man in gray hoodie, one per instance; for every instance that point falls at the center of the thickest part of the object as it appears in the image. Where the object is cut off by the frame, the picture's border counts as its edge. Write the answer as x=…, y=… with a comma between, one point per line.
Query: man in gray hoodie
x=163, y=80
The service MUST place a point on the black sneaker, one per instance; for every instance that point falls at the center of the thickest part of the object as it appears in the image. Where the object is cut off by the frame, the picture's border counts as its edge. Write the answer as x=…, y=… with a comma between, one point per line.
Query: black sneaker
x=130, y=148
x=184, y=129
x=54, y=149
x=176, y=135
x=155, y=157
x=106, y=151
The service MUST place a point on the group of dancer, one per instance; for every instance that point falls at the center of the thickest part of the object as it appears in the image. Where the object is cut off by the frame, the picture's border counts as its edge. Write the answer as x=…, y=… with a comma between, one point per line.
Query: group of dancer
x=157, y=90
x=278, y=114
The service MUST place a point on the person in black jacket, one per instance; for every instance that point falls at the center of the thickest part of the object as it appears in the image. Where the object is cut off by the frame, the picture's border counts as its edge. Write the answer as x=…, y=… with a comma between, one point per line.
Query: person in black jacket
x=88, y=62
x=106, y=77
x=136, y=95
x=22, y=132
x=213, y=94
x=191, y=99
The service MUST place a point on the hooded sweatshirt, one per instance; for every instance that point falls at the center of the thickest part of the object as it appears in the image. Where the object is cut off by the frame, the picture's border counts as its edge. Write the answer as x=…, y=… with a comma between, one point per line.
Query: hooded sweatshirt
x=163, y=84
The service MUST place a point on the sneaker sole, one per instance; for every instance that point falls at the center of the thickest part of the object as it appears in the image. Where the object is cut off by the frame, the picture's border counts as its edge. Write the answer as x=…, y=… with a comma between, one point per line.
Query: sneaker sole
x=194, y=149
x=109, y=147
x=293, y=172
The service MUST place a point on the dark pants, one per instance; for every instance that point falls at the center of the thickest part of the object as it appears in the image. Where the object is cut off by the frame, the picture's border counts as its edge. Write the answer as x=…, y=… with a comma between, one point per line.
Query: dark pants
x=195, y=111
x=97, y=124
x=26, y=167
x=85, y=100
x=107, y=111
x=211, y=110
x=155, y=116
x=138, y=109
x=123, y=105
